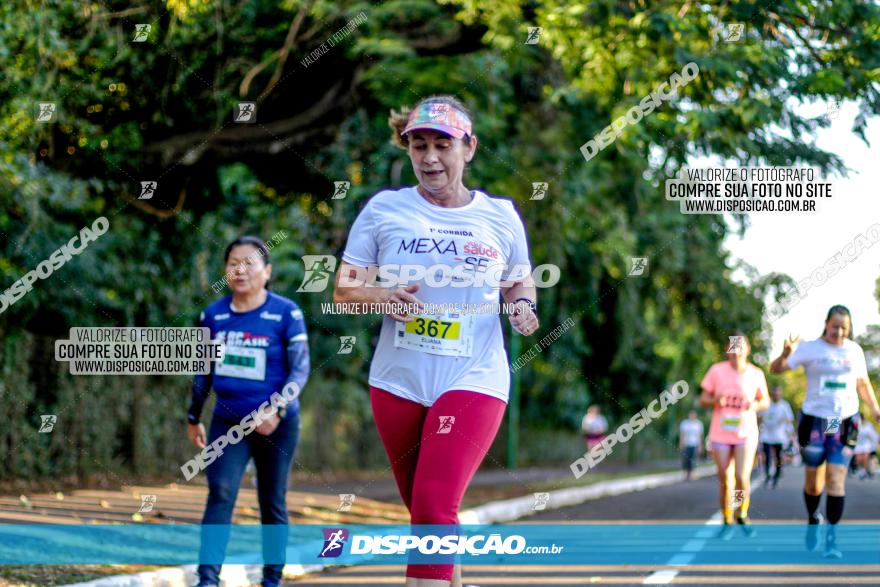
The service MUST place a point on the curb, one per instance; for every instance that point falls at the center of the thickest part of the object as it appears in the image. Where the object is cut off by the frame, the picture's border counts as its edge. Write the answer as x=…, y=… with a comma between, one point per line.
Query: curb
x=494, y=512
x=509, y=510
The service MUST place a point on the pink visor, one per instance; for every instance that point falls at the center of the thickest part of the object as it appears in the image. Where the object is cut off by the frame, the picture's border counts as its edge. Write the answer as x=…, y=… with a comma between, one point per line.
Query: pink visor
x=440, y=117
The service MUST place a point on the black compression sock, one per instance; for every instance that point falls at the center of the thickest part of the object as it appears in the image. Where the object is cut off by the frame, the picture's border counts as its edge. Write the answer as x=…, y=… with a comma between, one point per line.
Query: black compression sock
x=812, y=502
x=834, y=508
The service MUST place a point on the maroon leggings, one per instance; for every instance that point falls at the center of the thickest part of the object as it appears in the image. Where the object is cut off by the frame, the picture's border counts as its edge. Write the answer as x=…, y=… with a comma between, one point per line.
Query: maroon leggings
x=433, y=457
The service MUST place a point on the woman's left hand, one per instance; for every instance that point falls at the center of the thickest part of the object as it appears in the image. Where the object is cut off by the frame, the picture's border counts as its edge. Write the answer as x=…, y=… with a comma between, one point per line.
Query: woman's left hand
x=268, y=425
x=523, y=319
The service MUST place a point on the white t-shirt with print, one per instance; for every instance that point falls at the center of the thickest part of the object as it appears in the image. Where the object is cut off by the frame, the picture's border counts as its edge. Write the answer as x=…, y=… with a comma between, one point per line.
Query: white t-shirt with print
x=867, y=441
x=775, y=422
x=691, y=432
x=401, y=227
x=831, y=377
x=594, y=425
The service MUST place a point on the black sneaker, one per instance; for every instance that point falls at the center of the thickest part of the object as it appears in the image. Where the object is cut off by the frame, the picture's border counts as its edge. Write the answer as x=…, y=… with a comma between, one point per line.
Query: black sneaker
x=746, y=526
x=775, y=482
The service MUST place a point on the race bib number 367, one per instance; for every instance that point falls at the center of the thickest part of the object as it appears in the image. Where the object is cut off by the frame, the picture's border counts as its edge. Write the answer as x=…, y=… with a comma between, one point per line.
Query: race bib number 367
x=448, y=334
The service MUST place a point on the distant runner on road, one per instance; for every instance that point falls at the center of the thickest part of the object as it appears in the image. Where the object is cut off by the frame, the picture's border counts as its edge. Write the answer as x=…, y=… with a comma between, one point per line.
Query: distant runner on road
x=866, y=446
x=594, y=426
x=735, y=390
x=775, y=423
x=690, y=442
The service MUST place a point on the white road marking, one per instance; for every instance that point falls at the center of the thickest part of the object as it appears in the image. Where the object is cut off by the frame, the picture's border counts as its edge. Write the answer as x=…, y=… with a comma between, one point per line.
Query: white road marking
x=688, y=552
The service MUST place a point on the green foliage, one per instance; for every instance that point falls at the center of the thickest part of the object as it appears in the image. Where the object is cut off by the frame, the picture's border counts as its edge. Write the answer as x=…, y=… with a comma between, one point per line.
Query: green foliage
x=161, y=110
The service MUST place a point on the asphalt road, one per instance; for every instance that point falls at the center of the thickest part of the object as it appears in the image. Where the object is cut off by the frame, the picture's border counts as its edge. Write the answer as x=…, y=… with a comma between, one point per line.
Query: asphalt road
x=692, y=503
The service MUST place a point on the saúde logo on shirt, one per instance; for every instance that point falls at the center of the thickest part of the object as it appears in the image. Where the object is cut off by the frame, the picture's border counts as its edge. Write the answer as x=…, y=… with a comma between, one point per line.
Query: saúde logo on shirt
x=475, y=255
x=480, y=250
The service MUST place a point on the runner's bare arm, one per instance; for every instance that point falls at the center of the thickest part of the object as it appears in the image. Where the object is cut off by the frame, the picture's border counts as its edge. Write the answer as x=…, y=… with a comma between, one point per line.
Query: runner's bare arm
x=780, y=364
x=763, y=403
x=519, y=290
x=707, y=398
x=524, y=319
x=866, y=392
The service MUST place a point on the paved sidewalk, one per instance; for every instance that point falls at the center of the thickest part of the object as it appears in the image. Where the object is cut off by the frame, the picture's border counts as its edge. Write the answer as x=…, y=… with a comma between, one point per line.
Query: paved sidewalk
x=315, y=501
x=384, y=488
x=175, y=503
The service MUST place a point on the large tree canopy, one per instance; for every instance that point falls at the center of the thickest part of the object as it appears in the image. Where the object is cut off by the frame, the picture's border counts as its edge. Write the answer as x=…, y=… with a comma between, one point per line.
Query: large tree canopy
x=162, y=110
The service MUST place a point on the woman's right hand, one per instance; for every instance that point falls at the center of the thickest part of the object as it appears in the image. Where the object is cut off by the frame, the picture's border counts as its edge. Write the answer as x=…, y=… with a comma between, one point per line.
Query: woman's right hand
x=404, y=296
x=196, y=434
x=789, y=344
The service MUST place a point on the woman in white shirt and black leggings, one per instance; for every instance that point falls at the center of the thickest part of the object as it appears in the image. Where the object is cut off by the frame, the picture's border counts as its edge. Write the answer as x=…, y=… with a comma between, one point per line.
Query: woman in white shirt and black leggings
x=837, y=377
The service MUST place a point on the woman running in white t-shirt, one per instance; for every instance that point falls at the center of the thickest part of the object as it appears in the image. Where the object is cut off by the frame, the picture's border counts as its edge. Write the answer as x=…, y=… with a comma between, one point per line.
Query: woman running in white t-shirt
x=439, y=379
x=836, y=377
x=773, y=433
x=865, y=448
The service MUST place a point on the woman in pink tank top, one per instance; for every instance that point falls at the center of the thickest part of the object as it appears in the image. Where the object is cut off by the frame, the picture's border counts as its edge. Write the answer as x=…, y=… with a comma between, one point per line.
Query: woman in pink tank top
x=736, y=390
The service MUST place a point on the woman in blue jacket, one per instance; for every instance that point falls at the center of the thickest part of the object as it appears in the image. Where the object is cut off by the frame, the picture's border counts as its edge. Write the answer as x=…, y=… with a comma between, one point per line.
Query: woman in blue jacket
x=266, y=357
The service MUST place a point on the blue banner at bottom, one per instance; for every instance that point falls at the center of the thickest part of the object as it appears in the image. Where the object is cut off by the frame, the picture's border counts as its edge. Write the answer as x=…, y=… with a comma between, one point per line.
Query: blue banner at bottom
x=613, y=544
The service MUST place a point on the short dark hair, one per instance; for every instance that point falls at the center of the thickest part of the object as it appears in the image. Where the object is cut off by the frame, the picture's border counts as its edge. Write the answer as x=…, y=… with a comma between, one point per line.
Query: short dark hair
x=843, y=311
x=249, y=240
